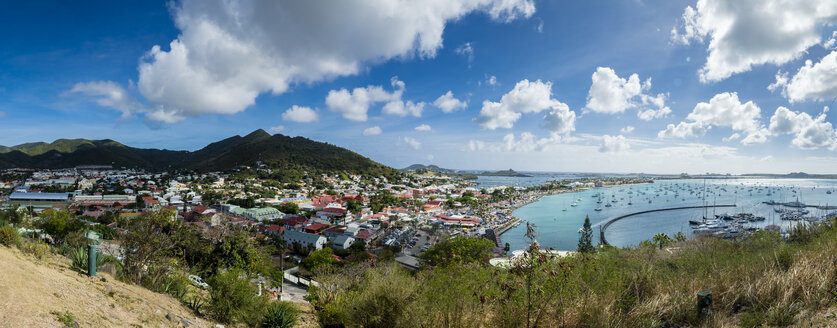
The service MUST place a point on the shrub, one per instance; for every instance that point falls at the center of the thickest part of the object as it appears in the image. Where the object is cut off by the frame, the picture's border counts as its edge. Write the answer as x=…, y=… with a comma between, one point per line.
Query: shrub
x=280, y=315
x=67, y=318
x=38, y=250
x=9, y=236
x=232, y=299
x=79, y=258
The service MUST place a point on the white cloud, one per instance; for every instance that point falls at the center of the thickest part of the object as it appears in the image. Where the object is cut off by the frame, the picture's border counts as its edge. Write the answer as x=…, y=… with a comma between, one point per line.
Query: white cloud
x=526, y=97
x=627, y=129
x=611, y=144
x=373, y=131
x=560, y=119
x=683, y=130
x=492, y=80
x=300, y=114
x=747, y=33
x=424, y=128
x=734, y=136
x=401, y=108
x=111, y=95
x=276, y=129
x=611, y=94
x=230, y=52
x=413, y=143
x=527, y=142
x=810, y=133
x=766, y=158
x=354, y=105
x=466, y=51
x=724, y=109
x=448, y=103
x=831, y=43
x=816, y=82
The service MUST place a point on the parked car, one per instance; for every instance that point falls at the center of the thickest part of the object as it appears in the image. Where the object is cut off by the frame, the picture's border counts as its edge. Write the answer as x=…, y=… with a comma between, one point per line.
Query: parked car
x=197, y=281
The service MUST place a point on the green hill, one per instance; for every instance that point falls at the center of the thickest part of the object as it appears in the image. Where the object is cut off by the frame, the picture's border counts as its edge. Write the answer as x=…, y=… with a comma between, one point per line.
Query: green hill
x=279, y=152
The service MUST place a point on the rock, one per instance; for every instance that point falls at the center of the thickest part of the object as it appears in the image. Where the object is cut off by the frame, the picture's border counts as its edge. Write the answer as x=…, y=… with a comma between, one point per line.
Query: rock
x=186, y=323
x=170, y=316
x=219, y=326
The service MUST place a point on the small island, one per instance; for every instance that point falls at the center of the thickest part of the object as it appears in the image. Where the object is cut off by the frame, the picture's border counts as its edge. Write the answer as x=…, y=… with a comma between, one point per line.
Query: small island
x=505, y=173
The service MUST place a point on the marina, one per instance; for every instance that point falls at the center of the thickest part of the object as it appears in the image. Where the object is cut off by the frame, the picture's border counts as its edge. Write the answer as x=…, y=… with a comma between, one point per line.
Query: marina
x=688, y=206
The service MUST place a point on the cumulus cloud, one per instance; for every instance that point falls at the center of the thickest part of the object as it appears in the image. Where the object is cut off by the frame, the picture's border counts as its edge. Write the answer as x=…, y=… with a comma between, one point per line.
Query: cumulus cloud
x=611, y=94
x=492, y=80
x=526, y=97
x=817, y=82
x=747, y=33
x=373, y=131
x=276, y=129
x=230, y=52
x=527, y=142
x=413, y=143
x=683, y=130
x=724, y=109
x=401, y=108
x=627, y=129
x=448, y=103
x=424, y=128
x=354, y=105
x=831, y=43
x=810, y=133
x=300, y=114
x=611, y=144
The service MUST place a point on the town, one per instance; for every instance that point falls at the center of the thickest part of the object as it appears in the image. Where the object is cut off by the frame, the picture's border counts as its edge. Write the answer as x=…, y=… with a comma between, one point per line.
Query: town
x=399, y=219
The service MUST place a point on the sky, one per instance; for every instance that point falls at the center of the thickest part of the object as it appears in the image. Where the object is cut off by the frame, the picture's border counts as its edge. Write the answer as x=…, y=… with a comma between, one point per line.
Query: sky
x=668, y=86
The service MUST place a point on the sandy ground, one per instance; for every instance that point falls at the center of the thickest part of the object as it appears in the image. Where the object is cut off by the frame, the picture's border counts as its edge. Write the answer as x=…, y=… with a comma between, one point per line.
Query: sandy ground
x=31, y=291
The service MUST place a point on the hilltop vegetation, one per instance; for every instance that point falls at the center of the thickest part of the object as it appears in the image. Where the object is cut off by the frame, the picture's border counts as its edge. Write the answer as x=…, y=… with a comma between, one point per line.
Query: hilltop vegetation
x=762, y=280
x=279, y=152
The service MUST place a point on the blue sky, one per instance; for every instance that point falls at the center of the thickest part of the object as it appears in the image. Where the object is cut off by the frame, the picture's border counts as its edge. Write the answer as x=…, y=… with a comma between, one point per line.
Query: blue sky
x=549, y=85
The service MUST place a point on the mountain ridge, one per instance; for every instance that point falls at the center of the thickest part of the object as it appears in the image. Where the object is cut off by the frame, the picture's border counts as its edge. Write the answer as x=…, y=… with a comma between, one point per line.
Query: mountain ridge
x=286, y=154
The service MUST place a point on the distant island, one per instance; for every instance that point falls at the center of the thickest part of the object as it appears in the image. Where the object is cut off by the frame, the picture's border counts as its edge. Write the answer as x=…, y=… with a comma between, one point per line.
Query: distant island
x=505, y=173
x=433, y=170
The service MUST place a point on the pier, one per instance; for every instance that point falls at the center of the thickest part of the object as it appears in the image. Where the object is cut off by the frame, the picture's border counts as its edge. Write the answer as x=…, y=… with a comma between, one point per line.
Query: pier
x=604, y=227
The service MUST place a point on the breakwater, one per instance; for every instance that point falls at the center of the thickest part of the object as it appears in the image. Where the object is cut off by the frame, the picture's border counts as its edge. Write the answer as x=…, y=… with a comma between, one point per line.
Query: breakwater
x=611, y=221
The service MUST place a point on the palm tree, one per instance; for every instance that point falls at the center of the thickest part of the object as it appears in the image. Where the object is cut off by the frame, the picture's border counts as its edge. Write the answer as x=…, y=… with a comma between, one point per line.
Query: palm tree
x=661, y=239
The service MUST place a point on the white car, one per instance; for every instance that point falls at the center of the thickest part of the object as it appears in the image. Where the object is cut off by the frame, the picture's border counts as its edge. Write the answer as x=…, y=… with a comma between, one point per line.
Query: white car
x=198, y=281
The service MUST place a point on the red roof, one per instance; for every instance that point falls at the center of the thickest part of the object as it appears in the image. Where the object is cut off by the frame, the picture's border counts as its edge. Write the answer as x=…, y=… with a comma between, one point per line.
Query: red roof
x=315, y=228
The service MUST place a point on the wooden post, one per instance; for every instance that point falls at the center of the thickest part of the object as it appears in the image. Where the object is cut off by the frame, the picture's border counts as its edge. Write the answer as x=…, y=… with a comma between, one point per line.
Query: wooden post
x=704, y=303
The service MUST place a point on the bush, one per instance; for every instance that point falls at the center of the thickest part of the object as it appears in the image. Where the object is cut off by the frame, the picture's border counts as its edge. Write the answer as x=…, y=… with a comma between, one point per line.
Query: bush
x=79, y=258
x=9, y=236
x=38, y=250
x=280, y=315
x=233, y=300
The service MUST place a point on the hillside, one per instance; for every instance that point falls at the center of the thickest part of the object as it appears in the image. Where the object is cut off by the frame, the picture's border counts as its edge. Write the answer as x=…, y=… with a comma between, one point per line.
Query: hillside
x=30, y=291
x=505, y=173
x=277, y=151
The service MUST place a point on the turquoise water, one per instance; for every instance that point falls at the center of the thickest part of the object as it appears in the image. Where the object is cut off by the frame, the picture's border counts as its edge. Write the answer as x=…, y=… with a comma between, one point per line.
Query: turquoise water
x=558, y=229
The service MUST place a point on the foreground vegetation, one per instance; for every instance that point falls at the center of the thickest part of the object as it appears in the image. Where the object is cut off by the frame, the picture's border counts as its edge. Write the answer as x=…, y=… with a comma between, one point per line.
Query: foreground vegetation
x=762, y=280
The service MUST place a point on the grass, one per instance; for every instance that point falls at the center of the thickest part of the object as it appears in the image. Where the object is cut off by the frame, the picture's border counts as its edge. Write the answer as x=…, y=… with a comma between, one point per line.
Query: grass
x=760, y=280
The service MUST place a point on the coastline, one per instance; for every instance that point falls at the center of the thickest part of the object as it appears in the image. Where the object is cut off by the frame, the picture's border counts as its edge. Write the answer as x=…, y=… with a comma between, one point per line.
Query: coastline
x=538, y=195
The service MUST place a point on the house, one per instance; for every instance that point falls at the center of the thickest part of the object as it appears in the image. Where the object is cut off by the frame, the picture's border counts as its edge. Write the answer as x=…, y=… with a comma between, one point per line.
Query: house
x=315, y=228
x=304, y=239
x=341, y=242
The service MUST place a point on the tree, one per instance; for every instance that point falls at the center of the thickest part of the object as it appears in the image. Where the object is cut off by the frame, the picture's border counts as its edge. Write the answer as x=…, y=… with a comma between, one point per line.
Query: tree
x=140, y=202
x=661, y=239
x=319, y=258
x=353, y=206
x=59, y=225
x=233, y=299
x=460, y=250
x=585, y=241
x=150, y=238
x=507, y=247
x=288, y=208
